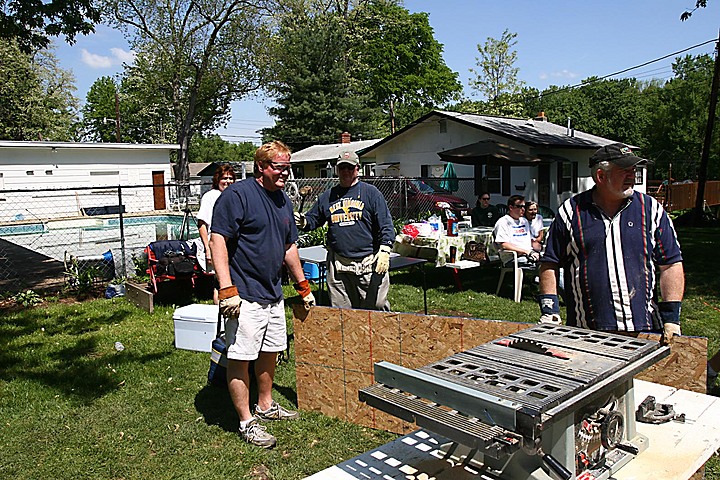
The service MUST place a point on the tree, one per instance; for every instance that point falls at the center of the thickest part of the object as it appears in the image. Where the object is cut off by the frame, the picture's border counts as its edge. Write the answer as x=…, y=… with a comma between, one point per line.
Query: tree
x=194, y=58
x=678, y=123
x=400, y=62
x=688, y=13
x=496, y=76
x=36, y=96
x=99, y=111
x=214, y=149
x=31, y=23
x=316, y=95
x=615, y=109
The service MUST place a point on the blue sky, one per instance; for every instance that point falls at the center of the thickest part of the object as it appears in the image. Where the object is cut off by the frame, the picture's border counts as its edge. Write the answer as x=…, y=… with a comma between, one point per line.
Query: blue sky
x=558, y=43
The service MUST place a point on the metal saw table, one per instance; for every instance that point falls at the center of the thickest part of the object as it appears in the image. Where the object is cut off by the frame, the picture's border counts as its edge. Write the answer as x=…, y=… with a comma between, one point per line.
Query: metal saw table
x=547, y=402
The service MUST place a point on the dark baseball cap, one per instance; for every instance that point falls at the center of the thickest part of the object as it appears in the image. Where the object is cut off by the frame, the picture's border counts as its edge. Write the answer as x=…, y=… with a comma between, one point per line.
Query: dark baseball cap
x=348, y=156
x=619, y=154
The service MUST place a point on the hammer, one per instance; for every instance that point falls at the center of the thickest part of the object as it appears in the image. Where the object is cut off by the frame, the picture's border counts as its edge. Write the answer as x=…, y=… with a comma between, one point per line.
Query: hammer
x=304, y=192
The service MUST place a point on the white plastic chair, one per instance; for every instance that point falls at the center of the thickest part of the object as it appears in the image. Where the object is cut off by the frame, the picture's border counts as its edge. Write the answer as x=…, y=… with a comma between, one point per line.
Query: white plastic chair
x=516, y=269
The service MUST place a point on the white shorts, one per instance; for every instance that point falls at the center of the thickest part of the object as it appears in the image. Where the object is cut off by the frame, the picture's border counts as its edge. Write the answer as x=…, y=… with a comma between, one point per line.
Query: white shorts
x=260, y=328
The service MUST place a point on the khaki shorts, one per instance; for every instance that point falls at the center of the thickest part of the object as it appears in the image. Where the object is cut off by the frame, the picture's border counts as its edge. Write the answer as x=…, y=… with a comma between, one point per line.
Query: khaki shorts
x=260, y=328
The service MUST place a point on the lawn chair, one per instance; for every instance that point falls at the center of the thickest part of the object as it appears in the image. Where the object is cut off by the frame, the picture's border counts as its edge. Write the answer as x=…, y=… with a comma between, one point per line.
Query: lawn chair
x=171, y=260
x=510, y=264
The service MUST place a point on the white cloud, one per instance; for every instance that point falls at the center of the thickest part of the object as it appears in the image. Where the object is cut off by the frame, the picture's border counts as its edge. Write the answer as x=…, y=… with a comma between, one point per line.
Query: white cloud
x=567, y=74
x=118, y=57
x=123, y=56
x=96, y=61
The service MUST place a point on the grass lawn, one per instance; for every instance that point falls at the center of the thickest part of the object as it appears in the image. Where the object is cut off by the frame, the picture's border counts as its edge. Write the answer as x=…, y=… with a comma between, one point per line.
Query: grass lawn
x=72, y=407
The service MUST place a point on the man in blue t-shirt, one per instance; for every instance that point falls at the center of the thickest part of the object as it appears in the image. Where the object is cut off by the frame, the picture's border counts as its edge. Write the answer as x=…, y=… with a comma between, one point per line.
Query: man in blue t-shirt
x=253, y=234
x=359, y=239
x=610, y=240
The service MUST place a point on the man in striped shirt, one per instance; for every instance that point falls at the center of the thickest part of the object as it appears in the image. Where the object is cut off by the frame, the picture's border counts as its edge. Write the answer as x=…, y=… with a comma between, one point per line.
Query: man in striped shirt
x=611, y=242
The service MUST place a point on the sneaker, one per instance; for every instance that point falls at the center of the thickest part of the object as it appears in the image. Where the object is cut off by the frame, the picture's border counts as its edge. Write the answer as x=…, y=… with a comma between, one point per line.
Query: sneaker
x=275, y=412
x=255, y=434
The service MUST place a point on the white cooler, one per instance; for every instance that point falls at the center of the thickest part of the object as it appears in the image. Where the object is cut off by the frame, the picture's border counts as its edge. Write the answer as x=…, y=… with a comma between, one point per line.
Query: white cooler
x=195, y=327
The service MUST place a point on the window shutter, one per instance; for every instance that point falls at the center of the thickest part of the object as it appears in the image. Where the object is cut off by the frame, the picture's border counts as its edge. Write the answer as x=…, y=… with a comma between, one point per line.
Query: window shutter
x=506, y=180
x=575, y=177
x=558, y=185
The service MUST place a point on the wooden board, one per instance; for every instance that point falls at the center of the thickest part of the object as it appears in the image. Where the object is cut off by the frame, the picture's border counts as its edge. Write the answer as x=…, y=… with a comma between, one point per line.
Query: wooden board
x=336, y=349
x=140, y=296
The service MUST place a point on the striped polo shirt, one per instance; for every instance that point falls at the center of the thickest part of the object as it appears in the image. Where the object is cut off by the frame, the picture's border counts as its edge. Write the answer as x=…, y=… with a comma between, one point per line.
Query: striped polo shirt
x=610, y=263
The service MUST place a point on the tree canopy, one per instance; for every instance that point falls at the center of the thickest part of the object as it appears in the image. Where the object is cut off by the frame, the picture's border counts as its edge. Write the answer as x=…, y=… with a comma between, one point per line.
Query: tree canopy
x=36, y=96
x=194, y=58
x=364, y=70
x=496, y=76
x=32, y=23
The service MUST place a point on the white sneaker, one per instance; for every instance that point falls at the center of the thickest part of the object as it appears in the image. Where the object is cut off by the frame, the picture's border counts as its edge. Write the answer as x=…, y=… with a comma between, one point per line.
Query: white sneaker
x=256, y=434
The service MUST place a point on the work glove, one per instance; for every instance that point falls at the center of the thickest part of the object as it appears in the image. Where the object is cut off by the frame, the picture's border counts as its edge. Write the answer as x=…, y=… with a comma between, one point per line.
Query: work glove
x=670, y=315
x=549, y=309
x=229, y=302
x=533, y=255
x=303, y=288
x=300, y=220
x=382, y=260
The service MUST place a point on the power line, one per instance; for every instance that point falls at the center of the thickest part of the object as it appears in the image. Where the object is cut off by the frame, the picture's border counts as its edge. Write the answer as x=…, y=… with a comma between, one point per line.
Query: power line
x=595, y=80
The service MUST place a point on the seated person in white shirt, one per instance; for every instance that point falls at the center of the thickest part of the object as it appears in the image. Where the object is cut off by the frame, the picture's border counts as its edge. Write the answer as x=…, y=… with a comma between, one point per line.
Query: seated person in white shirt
x=535, y=220
x=512, y=232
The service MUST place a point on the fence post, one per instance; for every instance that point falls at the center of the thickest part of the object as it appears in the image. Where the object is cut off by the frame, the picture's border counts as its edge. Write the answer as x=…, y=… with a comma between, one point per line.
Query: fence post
x=122, y=232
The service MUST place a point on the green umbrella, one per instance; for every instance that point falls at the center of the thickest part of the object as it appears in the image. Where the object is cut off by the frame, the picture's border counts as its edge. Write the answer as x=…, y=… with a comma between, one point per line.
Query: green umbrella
x=449, y=182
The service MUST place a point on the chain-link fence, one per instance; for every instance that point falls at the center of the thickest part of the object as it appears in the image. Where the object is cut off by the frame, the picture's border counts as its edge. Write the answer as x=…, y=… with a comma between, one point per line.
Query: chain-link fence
x=51, y=237
x=407, y=198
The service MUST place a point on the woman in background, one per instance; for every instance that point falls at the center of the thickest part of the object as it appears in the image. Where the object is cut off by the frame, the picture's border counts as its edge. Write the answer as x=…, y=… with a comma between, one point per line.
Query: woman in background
x=535, y=220
x=224, y=177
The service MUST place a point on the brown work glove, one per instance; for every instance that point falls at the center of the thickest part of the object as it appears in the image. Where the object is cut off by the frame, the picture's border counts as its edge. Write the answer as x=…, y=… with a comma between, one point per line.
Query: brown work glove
x=229, y=302
x=303, y=288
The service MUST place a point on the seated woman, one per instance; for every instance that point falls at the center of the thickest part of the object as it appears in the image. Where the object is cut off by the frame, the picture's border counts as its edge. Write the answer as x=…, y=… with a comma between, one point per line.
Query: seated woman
x=535, y=220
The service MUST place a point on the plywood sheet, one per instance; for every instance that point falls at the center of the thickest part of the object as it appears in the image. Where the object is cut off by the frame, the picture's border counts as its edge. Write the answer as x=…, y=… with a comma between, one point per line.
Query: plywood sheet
x=318, y=335
x=684, y=368
x=337, y=348
x=369, y=337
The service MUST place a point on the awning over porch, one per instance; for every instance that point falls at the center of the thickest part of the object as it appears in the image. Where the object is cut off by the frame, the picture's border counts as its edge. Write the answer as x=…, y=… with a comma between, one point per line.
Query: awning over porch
x=489, y=152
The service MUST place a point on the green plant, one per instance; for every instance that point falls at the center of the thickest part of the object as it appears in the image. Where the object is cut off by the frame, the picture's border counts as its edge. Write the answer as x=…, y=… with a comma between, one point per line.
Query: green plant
x=315, y=237
x=27, y=298
x=81, y=278
x=140, y=262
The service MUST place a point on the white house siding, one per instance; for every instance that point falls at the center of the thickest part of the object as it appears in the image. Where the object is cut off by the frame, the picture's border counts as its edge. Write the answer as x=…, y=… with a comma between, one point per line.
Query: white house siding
x=77, y=166
x=409, y=150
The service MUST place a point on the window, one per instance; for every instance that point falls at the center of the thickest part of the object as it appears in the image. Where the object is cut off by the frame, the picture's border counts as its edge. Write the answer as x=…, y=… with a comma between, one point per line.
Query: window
x=29, y=172
x=639, y=174
x=567, y=177
x=48, y=172
x=443, y=125
x=493, y=176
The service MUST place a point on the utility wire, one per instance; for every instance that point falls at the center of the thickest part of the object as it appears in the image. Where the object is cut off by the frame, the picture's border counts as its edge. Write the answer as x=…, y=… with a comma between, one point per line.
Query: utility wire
x=583, y=84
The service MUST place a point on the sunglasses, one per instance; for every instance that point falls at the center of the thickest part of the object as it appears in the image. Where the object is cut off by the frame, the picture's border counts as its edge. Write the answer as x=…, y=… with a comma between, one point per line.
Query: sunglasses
x=485, y=198
x=522, y=205
x=280, y=167
x=346, y=166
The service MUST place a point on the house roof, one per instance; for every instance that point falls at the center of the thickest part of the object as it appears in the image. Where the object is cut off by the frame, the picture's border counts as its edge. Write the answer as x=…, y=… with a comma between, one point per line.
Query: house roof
x=196, y=168
x=329, y=152
x=209, y=168
x=99, y=145
x=534, y=133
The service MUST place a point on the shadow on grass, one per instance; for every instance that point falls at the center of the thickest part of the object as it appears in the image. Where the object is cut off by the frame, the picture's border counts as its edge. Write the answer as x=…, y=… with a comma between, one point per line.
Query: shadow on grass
x=61, y=348
x=698, y=247
x=217, y=408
